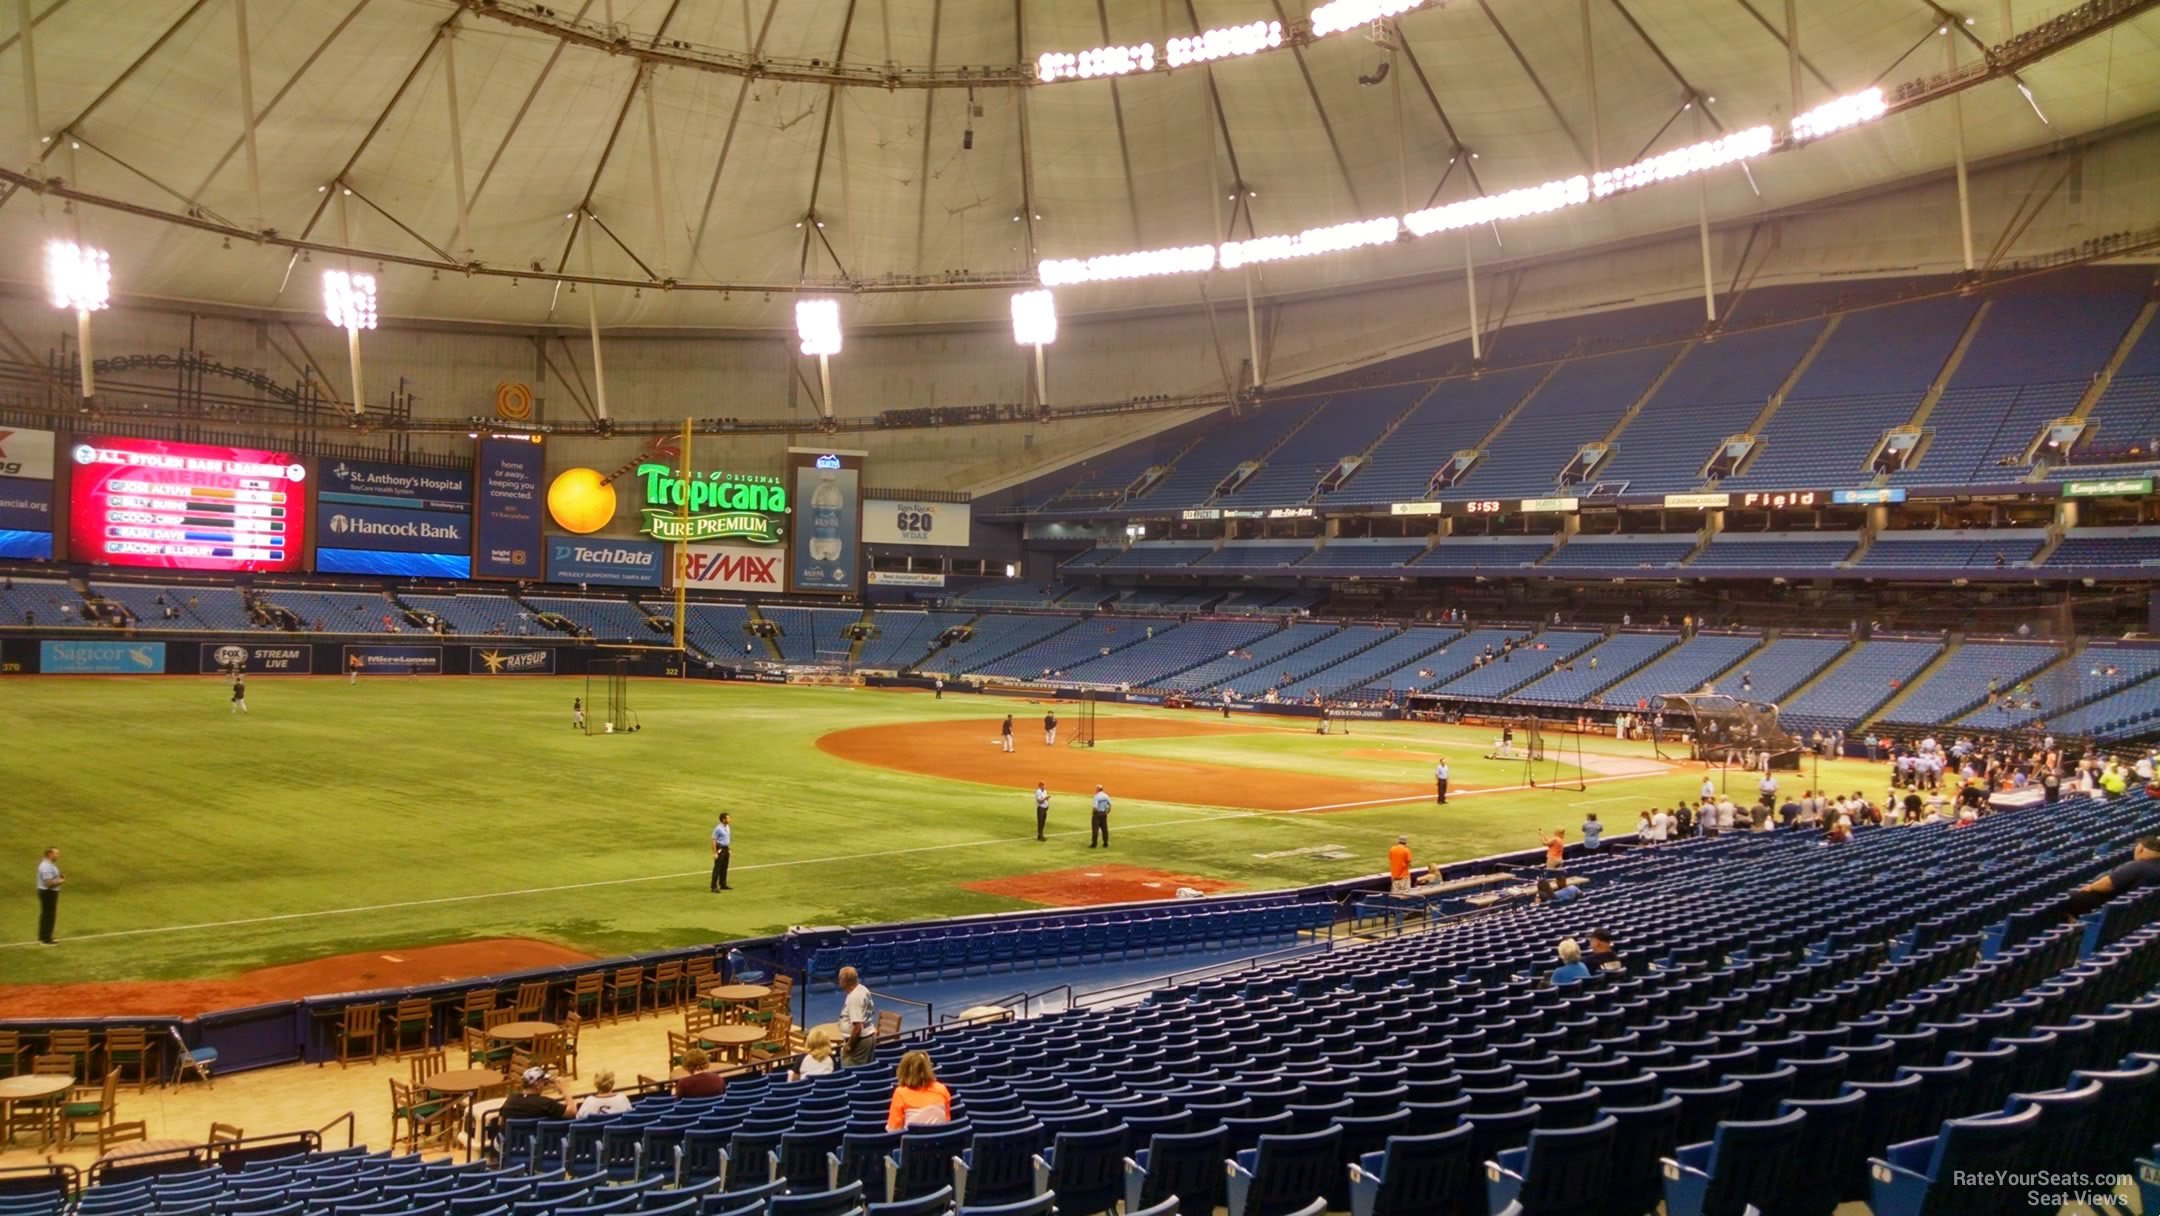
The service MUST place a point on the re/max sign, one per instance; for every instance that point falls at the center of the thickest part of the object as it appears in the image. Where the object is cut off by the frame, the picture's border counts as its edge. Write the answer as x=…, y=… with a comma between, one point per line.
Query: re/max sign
x=731, y=568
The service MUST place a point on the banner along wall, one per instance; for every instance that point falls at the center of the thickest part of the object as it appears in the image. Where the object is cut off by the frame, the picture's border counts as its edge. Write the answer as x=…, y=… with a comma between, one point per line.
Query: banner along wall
x=26, y=494
x=825, y=489
x=185, y=506
x=393, y=519
x=508, y=472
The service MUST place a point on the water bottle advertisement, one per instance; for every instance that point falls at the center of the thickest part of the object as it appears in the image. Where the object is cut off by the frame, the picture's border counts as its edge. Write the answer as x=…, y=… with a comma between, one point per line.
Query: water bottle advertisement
x=827, y=490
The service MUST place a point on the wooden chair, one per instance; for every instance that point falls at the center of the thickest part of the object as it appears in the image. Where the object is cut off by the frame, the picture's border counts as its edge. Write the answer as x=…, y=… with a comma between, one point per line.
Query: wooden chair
x=361, y=1024
x=49, y=1064
x=667, y=984
x=497, y=1017
x=478, y=1002
x=484, y=1052
x=414, y=1018
x=128, y=1047
x=888, y=1026
x=99, y=1113
x=626, y=982
x=11, y=1053
x=413, y=1114
x=775, y=1002
x=427, y=1064
x=678, y=1045
x=74, y=1044
x=587, y=993
x=225, y=1133
x=696, y=970
x=542, y=1050
x=697, y=1018
x=572, y=1027
x=777, y=1043
x=531, y=1002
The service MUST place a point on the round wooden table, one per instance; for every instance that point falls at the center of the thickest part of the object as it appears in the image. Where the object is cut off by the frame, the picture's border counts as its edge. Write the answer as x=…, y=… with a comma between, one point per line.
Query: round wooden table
x=144, y=1151
x=730, y=1040
x=33, y=1088
x=739, y=992
x=522, y=1032
x=464, y=1081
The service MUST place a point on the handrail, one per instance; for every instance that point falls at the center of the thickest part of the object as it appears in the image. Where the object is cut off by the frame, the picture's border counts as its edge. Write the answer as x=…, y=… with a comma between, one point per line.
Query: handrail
x=67, y=1180
x=346, y=1119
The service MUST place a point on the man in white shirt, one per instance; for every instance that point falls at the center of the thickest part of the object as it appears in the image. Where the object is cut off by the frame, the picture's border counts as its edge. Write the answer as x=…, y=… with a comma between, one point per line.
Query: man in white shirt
x=49, y=879
x=858, y=1020
x=1042, y=808
x=1767, y=787
x=1709, y=790
x=1661, y=826
x=1728, y=815
x=1440, y=780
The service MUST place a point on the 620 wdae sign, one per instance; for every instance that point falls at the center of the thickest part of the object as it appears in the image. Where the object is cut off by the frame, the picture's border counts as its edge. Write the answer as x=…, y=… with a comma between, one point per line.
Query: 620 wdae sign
x=889, y=522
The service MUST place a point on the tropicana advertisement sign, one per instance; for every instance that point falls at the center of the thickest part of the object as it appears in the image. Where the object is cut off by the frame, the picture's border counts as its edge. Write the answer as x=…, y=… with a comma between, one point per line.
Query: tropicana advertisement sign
x=720, y=506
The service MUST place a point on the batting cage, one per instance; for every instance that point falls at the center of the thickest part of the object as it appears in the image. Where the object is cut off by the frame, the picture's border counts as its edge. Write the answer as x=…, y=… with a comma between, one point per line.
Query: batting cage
x=1726, y=731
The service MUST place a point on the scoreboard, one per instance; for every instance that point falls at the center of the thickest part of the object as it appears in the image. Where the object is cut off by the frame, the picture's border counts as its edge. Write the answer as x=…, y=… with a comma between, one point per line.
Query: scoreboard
x=185, y=506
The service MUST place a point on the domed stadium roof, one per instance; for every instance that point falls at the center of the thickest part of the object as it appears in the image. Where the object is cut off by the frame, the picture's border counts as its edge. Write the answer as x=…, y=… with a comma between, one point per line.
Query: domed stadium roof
x=905, y=150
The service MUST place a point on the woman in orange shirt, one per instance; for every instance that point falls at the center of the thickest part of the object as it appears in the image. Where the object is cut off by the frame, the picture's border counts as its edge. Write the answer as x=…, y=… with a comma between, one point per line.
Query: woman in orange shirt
x=919, y=1100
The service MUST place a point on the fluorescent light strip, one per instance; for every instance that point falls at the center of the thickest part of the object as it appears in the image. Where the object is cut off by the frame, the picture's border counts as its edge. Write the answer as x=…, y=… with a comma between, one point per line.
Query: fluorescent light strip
x=1342, y=15
x=1733, y=148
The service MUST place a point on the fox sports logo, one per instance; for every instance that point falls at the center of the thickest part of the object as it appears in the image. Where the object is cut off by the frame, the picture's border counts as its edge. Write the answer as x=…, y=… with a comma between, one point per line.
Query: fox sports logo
x=231, y=656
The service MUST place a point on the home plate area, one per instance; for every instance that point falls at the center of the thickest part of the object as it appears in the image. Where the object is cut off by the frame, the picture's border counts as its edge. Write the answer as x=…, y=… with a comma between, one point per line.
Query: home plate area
x=1105, y=884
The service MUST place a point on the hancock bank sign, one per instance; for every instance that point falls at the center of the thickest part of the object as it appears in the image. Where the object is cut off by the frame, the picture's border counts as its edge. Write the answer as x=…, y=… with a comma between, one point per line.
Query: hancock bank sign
x=721, y=506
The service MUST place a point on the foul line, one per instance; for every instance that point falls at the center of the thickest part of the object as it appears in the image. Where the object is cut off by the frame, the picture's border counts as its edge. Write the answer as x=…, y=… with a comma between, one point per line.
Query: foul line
x=440, y=900
x=598, y=882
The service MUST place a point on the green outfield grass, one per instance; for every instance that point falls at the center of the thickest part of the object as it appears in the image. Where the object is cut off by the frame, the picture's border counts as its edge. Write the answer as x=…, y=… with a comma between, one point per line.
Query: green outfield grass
x=336, y=818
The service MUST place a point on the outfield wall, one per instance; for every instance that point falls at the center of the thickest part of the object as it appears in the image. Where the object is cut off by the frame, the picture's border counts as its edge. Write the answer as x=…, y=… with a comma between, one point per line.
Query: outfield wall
x=107, y=653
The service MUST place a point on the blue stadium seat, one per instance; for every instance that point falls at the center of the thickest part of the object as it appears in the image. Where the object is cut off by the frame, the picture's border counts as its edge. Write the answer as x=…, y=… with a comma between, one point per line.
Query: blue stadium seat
x=1414, y=1175
x=1284, y=1174
x=1905, y=1183
x=1560, y=1171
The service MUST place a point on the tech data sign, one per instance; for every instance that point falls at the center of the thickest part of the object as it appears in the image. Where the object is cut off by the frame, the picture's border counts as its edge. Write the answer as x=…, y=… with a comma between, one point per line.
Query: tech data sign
x=734, y=567
x=721, y=507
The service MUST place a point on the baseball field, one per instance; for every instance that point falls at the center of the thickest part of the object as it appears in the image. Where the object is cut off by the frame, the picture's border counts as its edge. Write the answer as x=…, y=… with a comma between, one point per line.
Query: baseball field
x=373, y=821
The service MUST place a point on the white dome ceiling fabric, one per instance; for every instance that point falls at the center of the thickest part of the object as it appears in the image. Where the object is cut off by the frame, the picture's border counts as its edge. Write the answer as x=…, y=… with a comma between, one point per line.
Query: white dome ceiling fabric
x=707, y=177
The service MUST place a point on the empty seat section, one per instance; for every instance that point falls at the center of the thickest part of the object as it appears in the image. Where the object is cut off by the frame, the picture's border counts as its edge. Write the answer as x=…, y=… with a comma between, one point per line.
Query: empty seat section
x=1359, y=555
x=1685, y=668
x=1455, y=416
x=1261, y=657
x=904, y=637
x=717, y=629
x=1869, y=376
x=610, y=620
x=1615, y=657
x=1716, y=391
x=1087, y=639
x=1291, y=674
x=994, y=635
x=1871, y=673
x=1155, y=555
x=1775, y=670
x=1975, y=548
x=476, y=614
x=1529, y=660
x=1395, y=660
x=1192, y=480
x=1621, y=552
x=38, y=600
x=1776, y=550
x=1965, y=681
x=336, y=611
x=2093, y=673
x=1577, y=406
x=1147, y=663
x=1254, y=555
x=2089, y=548
x=1503, y=553
x=1346, y=424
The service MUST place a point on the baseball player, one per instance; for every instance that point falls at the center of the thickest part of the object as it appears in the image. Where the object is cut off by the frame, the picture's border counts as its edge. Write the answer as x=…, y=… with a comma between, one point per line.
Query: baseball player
x=1005, y=733
x=1099, y=819
x=1050, y=729
x=1042, y=809
x=239, y=693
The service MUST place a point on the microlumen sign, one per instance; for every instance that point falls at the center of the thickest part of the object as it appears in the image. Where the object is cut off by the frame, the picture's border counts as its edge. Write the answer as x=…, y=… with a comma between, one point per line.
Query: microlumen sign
x=720, y=506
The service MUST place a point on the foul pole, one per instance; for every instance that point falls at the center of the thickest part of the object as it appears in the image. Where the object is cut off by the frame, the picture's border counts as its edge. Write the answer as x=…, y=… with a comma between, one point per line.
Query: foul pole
x=682, y=543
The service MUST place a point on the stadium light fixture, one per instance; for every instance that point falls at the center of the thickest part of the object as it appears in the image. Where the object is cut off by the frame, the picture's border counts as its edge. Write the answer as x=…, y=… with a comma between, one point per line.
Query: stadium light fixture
x=349, y=302
x=1834, y=116
x=1733, y=148
x=1340, y=15
x=1034, y=315
x=79, y=278
x=1228, y=42
x=817, y=323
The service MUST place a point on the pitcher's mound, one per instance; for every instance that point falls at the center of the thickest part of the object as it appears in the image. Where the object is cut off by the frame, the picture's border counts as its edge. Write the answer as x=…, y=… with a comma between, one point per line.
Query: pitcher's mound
x=1103, y=884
